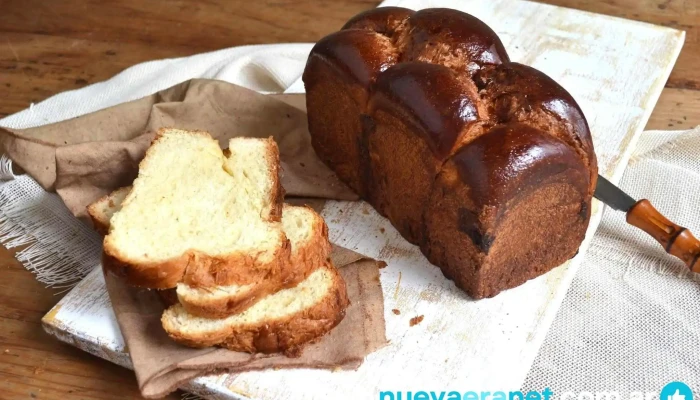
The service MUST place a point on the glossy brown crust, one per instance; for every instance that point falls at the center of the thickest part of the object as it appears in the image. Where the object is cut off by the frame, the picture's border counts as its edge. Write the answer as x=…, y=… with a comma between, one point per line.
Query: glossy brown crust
x=465, y=151
x=432, y=98
x=519, y=93
x=332, y=75
x=358, y=55
x=285, y=334
x=401, y=169
x=500, y=248
x=511, y=160
x=508, y=207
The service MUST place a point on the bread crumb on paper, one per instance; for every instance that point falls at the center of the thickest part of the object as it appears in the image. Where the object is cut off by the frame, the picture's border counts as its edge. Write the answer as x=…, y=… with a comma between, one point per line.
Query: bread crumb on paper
x=416, y=320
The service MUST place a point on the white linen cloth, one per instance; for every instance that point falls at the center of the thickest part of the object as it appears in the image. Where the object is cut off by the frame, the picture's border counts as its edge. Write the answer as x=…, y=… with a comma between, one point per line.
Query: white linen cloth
x=631, y=318
x=630, y=321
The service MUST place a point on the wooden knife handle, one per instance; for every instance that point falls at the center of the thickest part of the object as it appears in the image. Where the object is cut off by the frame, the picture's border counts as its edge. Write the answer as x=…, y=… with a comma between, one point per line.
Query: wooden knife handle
x=677, y=240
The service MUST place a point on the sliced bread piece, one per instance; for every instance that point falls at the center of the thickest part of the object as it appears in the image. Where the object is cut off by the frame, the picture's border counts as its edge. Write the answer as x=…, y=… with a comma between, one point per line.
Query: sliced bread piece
x=280, y=322
x=197, y=216
x=308, y=236
x=101, y=211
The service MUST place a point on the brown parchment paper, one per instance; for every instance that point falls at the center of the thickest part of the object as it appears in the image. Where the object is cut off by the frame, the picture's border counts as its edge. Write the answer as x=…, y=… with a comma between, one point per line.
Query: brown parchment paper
x=87, y=157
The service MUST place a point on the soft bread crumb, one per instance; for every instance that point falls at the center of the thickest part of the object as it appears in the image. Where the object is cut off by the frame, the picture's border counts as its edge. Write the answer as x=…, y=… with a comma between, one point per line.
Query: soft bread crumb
x=189, y=196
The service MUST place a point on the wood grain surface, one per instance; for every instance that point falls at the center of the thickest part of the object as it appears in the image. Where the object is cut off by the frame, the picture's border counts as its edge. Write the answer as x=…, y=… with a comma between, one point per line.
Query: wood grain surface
x=49, y=47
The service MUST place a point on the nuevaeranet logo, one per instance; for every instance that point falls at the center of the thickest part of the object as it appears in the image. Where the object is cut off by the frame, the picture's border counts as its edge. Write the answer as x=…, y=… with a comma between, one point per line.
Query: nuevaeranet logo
x=672, y=391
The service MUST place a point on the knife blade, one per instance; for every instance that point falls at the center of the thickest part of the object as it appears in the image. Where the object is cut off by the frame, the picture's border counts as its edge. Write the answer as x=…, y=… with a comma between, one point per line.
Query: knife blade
x=613, y=196
x=676, y=240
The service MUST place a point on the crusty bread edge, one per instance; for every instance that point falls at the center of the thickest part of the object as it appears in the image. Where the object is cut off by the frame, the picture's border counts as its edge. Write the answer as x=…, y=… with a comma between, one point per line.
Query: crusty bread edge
x=303, y=261
x=209, y=270
x=287, y=335
x=277, y=195
x=199, y=269
x=100, y=225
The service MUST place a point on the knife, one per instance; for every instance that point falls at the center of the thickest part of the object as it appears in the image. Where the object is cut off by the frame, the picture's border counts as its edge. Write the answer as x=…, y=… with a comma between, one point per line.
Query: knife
x=676, y=240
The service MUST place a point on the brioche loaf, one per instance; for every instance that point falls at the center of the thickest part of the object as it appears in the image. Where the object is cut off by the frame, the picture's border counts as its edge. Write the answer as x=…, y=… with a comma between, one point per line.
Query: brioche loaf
x=308, y=236
x=486, y=164
x=197, y=216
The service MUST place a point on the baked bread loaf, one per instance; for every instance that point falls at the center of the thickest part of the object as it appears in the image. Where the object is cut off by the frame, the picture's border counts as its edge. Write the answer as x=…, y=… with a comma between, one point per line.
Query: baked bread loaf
x=281, y=322
x=307, y=233
x=197, y=216
x=486, y=164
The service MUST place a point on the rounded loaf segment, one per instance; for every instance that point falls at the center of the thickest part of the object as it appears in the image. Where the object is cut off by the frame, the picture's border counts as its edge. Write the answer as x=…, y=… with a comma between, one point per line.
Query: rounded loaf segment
x=419, y=112
x=384, y=20
x=451, y=38
x=507, y=207
x=511, y=160
x=437, y=103
x=357, y=55
x=337, y=76
x=518, y=93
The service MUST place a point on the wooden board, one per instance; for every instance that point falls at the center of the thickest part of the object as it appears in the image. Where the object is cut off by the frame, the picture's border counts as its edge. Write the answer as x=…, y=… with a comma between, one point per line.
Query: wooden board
x=615, y=69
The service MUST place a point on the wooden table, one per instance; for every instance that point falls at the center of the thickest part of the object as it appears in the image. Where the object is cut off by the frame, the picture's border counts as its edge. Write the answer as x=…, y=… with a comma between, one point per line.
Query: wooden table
x=50, y=47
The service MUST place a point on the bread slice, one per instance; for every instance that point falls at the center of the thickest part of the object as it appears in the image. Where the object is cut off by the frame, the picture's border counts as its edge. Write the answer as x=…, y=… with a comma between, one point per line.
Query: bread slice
x=310, y=248
x=308, y=236
x=197, y=216
x=101, y=211
x=281, y=322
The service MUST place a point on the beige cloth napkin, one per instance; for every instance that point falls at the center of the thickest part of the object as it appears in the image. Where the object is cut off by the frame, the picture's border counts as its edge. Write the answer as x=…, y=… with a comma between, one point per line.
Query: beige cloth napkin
x=89, y=156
